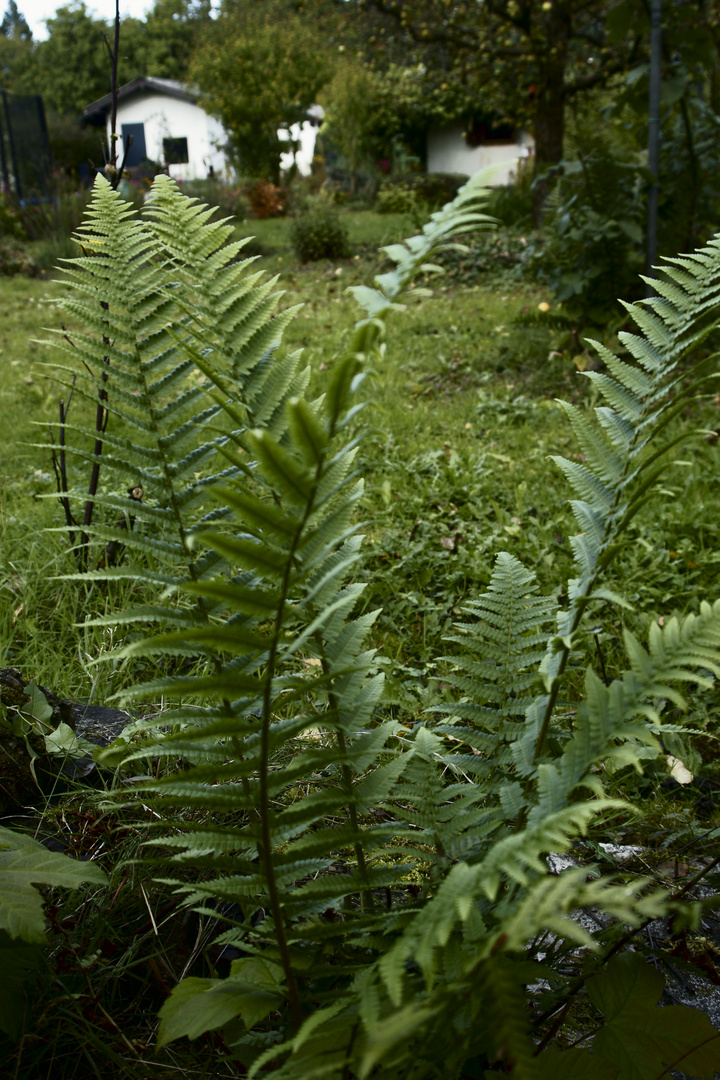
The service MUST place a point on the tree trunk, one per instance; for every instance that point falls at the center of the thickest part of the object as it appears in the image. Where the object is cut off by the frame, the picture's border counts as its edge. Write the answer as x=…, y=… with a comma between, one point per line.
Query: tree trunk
x=549, y=137
x=550, y=106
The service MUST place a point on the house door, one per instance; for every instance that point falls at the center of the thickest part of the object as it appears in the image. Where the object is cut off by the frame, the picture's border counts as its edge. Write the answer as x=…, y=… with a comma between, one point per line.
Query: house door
x=137, y=153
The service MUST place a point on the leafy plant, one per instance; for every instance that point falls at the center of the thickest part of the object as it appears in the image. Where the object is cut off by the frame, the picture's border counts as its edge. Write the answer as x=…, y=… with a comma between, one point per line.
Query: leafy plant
x=591, y=247
x=266, y=199
x=25, y=864
x=385, y=888
x=320, y=234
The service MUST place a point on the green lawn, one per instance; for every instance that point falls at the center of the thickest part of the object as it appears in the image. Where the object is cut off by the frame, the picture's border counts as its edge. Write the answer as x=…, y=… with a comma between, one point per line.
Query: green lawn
x=461, y=423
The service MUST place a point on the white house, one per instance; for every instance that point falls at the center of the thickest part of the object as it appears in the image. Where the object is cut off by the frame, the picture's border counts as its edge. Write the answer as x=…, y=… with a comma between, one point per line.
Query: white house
x=168, y=126
x=454, y=149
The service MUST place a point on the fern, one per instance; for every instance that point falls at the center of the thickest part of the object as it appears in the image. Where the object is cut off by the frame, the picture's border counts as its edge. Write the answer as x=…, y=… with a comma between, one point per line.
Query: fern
x=278, y=633
x=624, y=447
x=505, y=645
x=290, y=774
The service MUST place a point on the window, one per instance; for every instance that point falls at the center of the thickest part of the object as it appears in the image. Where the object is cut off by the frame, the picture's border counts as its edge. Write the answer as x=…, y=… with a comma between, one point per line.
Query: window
x=175, y=151
x=489, y=130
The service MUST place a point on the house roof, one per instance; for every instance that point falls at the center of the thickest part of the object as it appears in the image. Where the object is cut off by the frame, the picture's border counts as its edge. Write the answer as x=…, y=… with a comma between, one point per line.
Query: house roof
x=146, y=84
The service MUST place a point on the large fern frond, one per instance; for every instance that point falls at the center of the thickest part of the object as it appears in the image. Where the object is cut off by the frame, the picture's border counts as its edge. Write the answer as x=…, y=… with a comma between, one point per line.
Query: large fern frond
x=624, y=445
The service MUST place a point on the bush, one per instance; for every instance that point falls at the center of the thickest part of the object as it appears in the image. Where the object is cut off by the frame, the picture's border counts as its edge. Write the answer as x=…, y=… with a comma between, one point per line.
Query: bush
x=320, y=234
x=397, y=198
x=10, y=221
x=591, y=248
x=266, y=199
x=15, y=259
x=417, y=192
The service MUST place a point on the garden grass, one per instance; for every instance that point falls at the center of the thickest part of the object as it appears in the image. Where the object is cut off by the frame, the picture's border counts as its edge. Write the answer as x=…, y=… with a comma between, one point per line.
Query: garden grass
x=461, y=423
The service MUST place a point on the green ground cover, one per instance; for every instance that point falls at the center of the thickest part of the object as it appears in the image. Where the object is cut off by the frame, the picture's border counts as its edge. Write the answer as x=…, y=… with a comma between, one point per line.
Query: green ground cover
x=463, y=419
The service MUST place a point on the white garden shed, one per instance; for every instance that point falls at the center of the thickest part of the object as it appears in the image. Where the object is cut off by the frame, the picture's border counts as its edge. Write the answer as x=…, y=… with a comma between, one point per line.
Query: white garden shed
x=454, y=149
x=167, y=125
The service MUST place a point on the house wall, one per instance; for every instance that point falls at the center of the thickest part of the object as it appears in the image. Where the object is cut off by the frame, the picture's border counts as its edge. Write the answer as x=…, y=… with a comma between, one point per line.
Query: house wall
x=447, y=152
x=305, y=134
x=168, y=117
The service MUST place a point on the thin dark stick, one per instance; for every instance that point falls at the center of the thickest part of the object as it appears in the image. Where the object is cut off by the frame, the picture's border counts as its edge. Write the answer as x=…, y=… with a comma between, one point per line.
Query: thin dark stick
x=654, y=137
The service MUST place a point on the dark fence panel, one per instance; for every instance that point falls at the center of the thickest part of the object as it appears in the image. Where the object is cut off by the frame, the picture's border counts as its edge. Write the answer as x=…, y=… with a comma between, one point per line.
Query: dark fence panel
x=25, y=159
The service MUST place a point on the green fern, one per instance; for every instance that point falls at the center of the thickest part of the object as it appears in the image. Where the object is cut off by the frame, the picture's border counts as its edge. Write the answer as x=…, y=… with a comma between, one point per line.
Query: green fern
x=504, y=647
x=624, y=447
x=290, y=774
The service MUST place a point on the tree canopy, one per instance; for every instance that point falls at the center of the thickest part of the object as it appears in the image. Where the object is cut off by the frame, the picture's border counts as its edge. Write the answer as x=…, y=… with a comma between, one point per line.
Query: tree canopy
x=259, y=68
x=14, y=23
x=70, y=68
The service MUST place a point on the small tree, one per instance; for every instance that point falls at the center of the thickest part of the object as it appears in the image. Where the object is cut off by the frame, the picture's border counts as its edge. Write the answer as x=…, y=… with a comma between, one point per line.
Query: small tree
x=259, y=68
x=350, y=117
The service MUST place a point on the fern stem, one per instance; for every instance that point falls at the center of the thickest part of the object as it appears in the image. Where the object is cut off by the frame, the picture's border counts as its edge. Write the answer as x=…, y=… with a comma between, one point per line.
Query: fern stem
x=265, y=846
x=352, y=812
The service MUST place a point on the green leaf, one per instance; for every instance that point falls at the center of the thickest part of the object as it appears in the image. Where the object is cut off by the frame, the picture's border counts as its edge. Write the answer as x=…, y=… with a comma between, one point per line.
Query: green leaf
x=370, y=299
x=641, y=1039
x=252, y=990
x=63, y=740
x=38, y=707
x=574, y=1064
x=24, y=863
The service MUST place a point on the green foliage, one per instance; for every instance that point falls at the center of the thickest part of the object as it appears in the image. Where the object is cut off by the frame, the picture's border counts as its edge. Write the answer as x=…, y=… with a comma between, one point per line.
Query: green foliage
x=591, y=249
x=349, y=112
x=512, y=203
x=302, y=810
x=70, y=68
x=259, y=69
x=25, y=864
x=417, y=194
x=320, y=234
x=638, y=1041
x=16, y=259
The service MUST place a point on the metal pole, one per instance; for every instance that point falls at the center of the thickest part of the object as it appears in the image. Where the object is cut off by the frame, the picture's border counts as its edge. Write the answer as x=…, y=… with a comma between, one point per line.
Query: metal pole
x=654, y=135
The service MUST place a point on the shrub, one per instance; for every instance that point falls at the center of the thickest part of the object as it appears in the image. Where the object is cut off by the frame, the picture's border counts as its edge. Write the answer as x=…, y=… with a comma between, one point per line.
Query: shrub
x=396, y=198
x=16, y=259
x=414, y=193
x=266, y=199
x=320, y=234
x=10, y=221
x=591, y=247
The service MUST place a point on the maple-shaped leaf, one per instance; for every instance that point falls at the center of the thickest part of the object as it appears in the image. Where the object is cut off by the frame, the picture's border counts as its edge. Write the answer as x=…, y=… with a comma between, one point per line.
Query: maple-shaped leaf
x=644, y=1041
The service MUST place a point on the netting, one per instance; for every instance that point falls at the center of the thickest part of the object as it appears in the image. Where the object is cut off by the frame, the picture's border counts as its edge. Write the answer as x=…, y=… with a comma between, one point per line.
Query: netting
x=25, y=158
